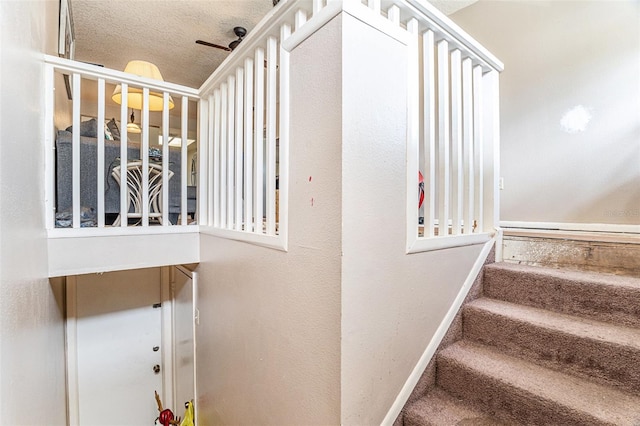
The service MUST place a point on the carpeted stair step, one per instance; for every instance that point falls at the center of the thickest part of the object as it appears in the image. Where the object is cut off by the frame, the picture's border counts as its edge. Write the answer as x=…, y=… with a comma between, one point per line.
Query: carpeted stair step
x=602, y=297
x=439, y=408
x=603, y=351
x=519, y=391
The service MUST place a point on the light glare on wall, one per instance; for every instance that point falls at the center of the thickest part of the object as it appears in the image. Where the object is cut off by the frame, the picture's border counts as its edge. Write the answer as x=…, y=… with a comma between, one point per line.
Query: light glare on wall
x=174, y=141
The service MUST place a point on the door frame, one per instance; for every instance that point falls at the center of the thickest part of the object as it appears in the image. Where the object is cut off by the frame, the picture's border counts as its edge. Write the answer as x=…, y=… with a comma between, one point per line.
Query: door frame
x=196, y=322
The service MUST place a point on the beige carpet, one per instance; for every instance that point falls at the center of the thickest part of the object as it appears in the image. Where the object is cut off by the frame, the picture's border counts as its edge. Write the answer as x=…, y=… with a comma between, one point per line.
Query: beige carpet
x=540, y=347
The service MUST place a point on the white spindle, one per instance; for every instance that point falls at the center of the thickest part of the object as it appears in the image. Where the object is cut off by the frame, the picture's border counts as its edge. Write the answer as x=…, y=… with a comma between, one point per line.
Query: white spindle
x=300, y=20
x=214, y=155
x=429, y=137
x=317, y=6
x=374, y=5
x=49, y=132
x=457, y=177
x=184, y=128
x=259, y=140
x=467, y=136
x=393, y=14
x=224, y=102
x=144, y=155
x=75, y=150
x=231, y=90
x=478, y=139
x=413, y=126
x=124, y=119
x=100, y=155
x=271, y=134
x=283, y=148
x=248, y=145
x=204, y=167
x=239, y=146
x=165, y=159
x=444, y=186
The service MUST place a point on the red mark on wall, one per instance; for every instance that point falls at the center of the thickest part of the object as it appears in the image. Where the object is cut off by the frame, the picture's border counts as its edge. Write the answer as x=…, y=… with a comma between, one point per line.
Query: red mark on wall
x=312, y=202
x=309, y=178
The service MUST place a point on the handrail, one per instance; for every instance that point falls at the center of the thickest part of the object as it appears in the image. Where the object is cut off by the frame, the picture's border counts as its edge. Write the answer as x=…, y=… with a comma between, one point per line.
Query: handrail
x=94, y=72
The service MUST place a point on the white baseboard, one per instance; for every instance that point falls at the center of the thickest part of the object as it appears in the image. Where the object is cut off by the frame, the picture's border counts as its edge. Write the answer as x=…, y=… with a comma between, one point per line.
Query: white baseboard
x=418, y=370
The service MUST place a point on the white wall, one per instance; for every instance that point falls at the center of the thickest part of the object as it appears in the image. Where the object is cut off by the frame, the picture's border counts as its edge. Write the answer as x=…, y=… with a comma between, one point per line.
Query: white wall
x=32, y=385
x=269, y=336
x=392, y=303
x=559, y=55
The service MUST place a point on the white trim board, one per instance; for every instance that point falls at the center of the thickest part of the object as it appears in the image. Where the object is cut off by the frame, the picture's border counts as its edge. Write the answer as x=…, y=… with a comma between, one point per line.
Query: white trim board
x=564, y=226
x=602, y=237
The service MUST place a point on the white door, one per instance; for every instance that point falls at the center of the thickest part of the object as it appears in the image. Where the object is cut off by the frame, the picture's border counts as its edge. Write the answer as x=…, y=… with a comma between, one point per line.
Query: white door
x=118, y=334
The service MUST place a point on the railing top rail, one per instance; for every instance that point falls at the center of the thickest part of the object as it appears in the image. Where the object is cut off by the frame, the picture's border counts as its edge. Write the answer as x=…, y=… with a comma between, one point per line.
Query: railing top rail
x=95, y=72
x=419, y=9
x=444, y=25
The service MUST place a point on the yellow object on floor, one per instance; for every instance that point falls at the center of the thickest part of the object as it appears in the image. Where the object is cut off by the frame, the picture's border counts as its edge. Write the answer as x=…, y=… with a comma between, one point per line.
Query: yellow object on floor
x=188, y=415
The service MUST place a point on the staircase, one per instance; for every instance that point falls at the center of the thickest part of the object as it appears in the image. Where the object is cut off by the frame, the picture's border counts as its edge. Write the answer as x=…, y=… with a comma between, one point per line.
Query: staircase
x=544, y=347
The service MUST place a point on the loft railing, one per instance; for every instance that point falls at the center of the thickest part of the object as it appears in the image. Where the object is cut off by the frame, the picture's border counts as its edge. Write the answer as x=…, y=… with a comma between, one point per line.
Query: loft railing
x=243, y=132
x=452, y=129
x=452, y=136
x=247, y=129
x=144, y=191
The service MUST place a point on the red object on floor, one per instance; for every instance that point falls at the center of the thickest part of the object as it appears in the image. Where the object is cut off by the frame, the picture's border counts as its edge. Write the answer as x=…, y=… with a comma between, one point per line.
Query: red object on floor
x=165, y=417
x=420, y=189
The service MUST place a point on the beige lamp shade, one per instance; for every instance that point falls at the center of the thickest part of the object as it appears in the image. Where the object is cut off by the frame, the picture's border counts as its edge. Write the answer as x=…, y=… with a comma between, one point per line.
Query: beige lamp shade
x=134, y=95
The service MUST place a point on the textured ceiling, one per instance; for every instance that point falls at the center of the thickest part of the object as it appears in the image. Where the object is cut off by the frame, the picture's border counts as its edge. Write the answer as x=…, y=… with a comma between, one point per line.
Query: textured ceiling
x=112, y=33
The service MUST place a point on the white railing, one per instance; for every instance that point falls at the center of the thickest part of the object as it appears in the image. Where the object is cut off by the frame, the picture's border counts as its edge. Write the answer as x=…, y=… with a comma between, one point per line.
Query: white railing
x=86, y=81
x=243, y=131
x=453, y=128
x=248, y=132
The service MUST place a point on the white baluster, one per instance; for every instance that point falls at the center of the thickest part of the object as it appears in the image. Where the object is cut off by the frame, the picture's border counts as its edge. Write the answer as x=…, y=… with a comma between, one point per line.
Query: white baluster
x=457, y=177
x=429, y=137
x=231, y=89
x=248, y=145
x=239, y=144
x=216, y=159
x=75, y=150
x=478, y=138
x=100, y=155
x=184, y=129
x=467, y=101
x=271, y=134
x=259, y=140
x=224, y=192
x=444, y=186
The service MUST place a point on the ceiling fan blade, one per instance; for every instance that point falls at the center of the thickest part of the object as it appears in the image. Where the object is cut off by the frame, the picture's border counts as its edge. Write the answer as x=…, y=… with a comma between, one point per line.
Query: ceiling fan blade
x=217, y=46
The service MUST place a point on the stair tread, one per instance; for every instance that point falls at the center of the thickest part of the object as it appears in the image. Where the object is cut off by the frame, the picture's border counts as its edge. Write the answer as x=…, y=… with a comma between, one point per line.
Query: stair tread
x=575, y=394
x=603, y=297
x=582, y=327
x=586, y=277
x=441, y=408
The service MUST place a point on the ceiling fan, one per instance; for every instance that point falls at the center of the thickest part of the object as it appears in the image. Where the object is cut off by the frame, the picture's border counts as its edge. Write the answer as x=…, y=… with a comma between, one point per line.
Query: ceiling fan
x=239, y=31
